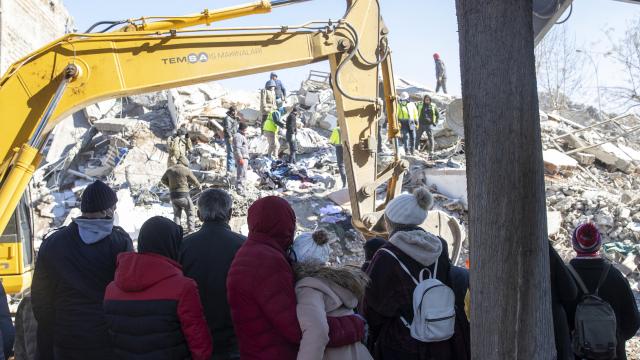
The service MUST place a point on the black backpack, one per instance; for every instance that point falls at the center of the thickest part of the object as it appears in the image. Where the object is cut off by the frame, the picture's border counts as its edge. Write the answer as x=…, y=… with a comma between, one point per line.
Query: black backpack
x=594, y=335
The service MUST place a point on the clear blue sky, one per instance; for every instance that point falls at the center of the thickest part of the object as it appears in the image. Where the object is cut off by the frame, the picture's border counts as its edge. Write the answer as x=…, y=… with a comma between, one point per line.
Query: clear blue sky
x=418, y=29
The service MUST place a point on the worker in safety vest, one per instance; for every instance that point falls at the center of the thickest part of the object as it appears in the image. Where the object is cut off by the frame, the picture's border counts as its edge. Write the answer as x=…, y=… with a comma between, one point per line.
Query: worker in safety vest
x=335, y=141
x=268, y=102
x=429, y=116
x=270, y=131
x=407, y=115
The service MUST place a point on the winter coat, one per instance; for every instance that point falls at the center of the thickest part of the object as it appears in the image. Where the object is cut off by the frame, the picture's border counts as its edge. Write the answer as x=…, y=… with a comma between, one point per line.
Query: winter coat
x=292, y=125
x=563, y=293
x=178, y=178
x=230, y=126
x=240, y=146
x=25, y=346
x=206, y=257
x=281, y=92
x=616, y=291
x=154, y=311
x=324, y=291
x=260, y=288
x=268, y=102
x=390, y=294
x=68, y=288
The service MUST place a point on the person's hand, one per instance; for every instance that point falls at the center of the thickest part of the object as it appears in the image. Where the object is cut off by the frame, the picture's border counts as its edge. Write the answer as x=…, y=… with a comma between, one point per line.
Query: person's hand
x=241, y=162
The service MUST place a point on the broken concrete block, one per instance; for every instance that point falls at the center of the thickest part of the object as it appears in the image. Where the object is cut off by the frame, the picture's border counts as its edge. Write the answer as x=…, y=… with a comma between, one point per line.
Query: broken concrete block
x=308, y=140
x=584, y=158
x=250, y=116
x=115, y=124
x=554, y=222
x=258, y=145
x=329, y=122
x=451, y=183
x=153, y=101
x=629, y=265
x=99, y=110
x=555, y=161
x=612, y=155
x=341, y=198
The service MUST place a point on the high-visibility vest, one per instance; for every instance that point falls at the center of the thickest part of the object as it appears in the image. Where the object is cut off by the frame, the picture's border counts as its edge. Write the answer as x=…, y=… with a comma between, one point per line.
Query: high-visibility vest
x=407, y=111
x=335, y=137
x=434, y=112
x=269, y=124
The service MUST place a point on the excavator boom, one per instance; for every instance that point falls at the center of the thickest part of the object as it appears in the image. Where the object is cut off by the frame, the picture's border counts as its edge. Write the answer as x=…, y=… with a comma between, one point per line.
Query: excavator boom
x=81, y=69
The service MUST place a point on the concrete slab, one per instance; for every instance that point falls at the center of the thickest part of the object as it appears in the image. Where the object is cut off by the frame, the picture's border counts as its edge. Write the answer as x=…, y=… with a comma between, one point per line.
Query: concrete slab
x=115, y=124
x=449, y=182
x=554, y=222
x=341, y=198
x=555, y=161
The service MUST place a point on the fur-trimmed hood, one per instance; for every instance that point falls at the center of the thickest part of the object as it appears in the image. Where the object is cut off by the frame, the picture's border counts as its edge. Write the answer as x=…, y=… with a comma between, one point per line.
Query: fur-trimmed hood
x=346, y=285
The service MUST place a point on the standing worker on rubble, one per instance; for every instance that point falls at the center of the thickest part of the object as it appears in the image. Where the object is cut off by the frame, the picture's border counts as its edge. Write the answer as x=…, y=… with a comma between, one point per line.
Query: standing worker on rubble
x=177, y=178
x=408, y=117
x=337, y=144
x=281, y=92
x=292, y=130
x=270, y=130
x=441, y=73
x=268, y=100
x=241, y=155
x=230, y=127
x=429, y=116
x=74, y=266
x=179, y=146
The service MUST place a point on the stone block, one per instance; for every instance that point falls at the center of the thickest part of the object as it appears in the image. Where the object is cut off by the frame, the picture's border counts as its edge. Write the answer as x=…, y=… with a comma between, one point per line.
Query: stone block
x=584, y=158
x=555, y=161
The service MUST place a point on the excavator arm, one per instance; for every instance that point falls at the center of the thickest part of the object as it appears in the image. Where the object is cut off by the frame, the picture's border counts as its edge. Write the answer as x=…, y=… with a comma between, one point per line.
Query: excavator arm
x=81, y=69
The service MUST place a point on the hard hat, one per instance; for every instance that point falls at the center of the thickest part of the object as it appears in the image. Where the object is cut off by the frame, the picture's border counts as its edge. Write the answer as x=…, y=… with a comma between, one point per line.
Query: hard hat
x=404, y=95
x=271, y=83
x=436, y=56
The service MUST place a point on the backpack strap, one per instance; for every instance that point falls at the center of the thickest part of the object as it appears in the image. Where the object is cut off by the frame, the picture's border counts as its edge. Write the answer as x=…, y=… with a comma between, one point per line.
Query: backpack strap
x=402, y=265
x=578, y=279
x=603, y=276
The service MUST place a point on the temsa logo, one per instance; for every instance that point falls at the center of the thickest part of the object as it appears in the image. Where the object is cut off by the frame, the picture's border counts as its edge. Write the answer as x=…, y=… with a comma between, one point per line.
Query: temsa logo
x=192, y=58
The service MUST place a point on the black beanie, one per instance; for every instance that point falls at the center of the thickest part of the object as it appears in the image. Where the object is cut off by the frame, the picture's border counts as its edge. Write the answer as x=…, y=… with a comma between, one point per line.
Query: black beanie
x=97, y=197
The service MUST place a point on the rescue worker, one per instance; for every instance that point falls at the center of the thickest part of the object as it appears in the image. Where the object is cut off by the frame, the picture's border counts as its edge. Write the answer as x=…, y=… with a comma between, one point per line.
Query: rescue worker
x=270, y=131
x=281, y=92
x=337, y=144
x=268, y=100
x=429, y=116
x=292, y=130
x=408, y=117
x=241, y=155
x=230, y=126
x=177, y=178
x=441, y=73
x=74, y=266
x=179, y=146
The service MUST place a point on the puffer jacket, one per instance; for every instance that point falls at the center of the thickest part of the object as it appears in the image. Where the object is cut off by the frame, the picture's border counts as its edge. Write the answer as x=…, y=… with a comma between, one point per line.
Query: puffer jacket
x=260, y=288
x=154, y=312
x=324, y=291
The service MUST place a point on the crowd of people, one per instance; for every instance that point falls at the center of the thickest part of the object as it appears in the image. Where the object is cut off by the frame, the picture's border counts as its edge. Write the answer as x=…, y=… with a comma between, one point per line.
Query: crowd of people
x=216, y=294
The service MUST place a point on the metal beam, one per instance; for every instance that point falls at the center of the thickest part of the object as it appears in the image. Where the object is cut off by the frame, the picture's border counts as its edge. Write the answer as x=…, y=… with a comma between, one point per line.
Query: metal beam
x=545, y=14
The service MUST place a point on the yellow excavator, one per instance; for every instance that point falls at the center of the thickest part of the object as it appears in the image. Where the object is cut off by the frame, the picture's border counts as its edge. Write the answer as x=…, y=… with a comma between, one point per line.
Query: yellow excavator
x=156, y=53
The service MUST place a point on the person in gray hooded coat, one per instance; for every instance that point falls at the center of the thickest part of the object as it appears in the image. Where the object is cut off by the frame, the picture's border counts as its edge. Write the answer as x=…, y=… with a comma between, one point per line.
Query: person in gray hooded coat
x=74, y=266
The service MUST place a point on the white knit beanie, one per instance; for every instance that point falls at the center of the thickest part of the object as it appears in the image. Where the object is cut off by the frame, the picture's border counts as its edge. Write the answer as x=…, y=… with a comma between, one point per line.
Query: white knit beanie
x=312, y=247
x=410, y=209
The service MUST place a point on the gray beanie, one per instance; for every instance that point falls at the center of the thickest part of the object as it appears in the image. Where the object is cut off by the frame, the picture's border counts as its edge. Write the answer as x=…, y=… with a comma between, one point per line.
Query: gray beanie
x=410, y=209
x=312, y=247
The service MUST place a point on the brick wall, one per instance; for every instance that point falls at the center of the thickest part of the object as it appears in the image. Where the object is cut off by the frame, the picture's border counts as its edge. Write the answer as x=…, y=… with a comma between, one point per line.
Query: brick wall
x=26, y=25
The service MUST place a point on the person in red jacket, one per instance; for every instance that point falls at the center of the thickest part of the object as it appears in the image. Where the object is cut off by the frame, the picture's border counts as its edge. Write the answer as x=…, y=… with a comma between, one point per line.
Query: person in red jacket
x=260, y=289
x=153, y=311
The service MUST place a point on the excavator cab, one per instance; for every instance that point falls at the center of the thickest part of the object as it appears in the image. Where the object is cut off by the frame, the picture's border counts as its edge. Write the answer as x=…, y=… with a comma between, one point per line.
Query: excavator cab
x=17, y=257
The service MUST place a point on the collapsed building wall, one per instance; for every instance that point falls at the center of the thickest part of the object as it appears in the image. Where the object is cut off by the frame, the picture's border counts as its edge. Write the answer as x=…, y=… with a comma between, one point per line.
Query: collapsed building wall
x=26, y=25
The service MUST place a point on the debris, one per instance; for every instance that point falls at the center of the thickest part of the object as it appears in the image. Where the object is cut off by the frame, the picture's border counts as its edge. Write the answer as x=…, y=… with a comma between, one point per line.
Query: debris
x=555, y=161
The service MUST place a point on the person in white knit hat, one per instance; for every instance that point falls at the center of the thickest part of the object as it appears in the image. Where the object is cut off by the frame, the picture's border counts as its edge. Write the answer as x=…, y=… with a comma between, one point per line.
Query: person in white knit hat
x=323, y=291
x=388, y=298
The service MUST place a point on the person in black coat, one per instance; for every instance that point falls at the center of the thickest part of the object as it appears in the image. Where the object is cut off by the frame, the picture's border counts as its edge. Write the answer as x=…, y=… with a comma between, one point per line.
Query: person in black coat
x=292, y=130
x=7, y=330
x=563, y=293
x=615, y=289
x=73, y=268
x=206, y=256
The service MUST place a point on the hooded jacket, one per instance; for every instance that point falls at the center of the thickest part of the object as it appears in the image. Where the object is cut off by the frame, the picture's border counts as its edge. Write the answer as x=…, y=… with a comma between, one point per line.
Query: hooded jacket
x=260, y=288
x=323, y=291
x=390, y=294
x=68, y=288
x=153, y=311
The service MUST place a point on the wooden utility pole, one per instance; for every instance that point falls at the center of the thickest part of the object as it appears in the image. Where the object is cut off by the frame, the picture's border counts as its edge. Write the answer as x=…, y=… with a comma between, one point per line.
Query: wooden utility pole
x=510, y=293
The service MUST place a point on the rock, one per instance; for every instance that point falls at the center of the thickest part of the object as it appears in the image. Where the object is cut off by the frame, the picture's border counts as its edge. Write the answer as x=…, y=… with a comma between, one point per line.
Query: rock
x=584, y=158
x=308, y=140
x=99, y=110
x=555, y=161
x=629, y=197
x=259, y=145
x=554, y=222
x=250, y=116
x=153, y=101
x=604, y=219
x=611, y=155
